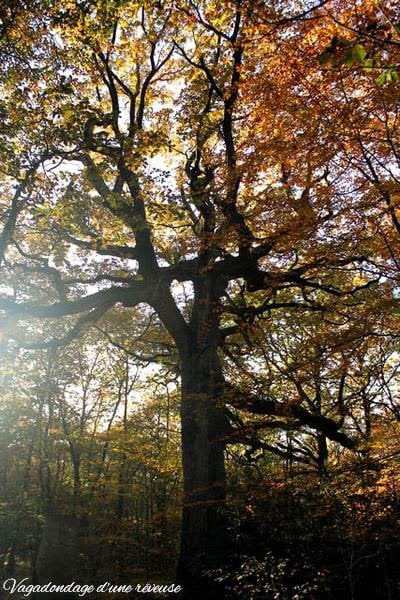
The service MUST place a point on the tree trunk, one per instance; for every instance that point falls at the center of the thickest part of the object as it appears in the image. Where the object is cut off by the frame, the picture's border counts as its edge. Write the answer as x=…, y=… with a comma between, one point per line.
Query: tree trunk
x=204, y=425
x=57, y=559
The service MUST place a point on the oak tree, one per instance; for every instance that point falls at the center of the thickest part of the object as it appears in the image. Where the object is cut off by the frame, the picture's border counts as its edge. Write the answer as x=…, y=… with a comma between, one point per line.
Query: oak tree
x=195, y=163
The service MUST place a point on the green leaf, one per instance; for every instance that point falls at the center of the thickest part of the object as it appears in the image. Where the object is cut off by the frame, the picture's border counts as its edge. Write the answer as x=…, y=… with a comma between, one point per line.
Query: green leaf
x=369, y=65
x=381, y=79
x=388, y=76
x=348, y=59
x=359, y=53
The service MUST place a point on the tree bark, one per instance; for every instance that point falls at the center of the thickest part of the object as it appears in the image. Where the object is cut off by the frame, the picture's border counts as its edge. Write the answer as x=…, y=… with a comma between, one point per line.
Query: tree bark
x=204, y=424
x=58, y=552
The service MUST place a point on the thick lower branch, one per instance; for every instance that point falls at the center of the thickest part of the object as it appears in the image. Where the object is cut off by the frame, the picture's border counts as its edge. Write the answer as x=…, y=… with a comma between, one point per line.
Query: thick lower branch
x=264, y=406
x=128, y=296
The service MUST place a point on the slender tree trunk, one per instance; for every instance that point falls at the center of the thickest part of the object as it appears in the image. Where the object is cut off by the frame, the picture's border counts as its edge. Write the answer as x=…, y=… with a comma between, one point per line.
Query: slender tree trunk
x=322, y=455
x=10, y=565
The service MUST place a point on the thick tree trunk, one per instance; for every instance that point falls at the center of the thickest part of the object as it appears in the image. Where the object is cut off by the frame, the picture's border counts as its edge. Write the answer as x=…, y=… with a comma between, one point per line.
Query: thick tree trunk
x=203, y=427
